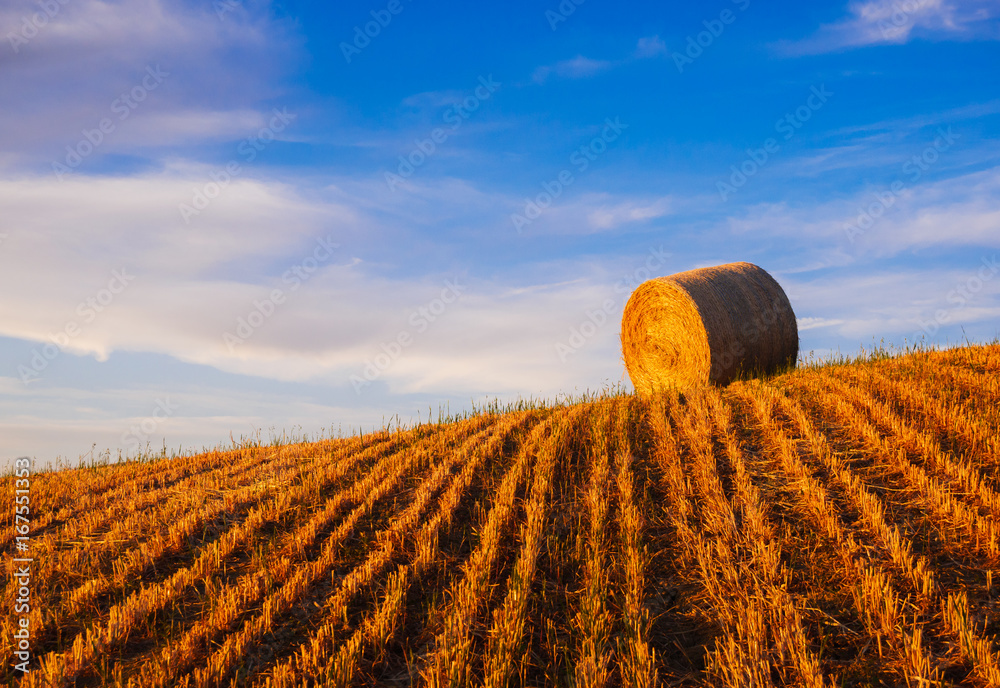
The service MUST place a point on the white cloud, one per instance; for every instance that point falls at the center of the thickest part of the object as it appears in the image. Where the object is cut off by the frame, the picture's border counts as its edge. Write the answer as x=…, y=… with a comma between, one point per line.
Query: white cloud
x=592, y=213
x=187, y=127
x=185, y=276
x=433, y=100
x=188, y=285
x=581, y=67
x=650, y=46
x=900, y=21
x=577, y=68
x=956, y=212
x=813, y=323
x=888, y=302
x=74, y=71
x=905, y=126
x=610, y=217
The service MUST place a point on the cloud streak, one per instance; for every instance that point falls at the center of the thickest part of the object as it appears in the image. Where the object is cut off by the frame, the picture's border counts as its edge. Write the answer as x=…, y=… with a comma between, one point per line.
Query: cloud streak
x=581, y=67
x=895, y=22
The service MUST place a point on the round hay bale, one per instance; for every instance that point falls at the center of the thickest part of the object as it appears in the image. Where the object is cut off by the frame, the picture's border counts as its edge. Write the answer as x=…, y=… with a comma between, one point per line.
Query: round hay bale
x=707, y=325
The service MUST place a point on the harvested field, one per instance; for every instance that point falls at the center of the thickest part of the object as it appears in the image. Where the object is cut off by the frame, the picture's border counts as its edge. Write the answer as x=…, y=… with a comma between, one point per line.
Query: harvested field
x=835, y=525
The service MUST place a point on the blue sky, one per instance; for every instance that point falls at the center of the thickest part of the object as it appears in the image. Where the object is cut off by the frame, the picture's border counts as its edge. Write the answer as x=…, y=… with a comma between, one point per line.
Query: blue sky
x=223, y=216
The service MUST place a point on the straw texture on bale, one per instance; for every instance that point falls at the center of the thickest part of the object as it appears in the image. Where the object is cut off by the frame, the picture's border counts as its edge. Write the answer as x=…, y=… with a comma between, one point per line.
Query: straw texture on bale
x=707, y=325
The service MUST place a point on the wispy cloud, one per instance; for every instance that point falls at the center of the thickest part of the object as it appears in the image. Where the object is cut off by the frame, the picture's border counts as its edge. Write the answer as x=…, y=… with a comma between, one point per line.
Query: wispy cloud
x=650, y=46
x=577, y=68
x=93, y=54
x=955, y=212
x=612, y=216
x=581, y=67
x=433, y=100
x=813, y=323
x=894, y=22
x=889, y=302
